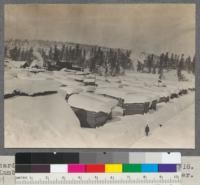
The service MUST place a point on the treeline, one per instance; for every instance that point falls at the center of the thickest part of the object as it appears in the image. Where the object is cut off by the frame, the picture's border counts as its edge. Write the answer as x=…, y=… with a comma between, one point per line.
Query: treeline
x=156, y=64
x=19, y=54
x=105, y=61
x=100, y=60
x=96, y=59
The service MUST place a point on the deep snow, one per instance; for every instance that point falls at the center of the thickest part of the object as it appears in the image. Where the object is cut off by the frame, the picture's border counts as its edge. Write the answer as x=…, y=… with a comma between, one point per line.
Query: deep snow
x=48, y=121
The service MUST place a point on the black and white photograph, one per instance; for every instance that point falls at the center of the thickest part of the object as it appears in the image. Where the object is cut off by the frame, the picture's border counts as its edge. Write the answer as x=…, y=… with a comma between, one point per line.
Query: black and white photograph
x=99, y=75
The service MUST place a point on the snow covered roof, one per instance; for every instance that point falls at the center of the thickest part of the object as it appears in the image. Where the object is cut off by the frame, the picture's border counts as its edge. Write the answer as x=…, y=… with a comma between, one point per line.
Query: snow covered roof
x=126, y=94
x=88, y=103
x=134, y=98
x=15, y=64
x=89, y=80
x=109, y=101
x=91, y=76
x=78, y=77
x=114, y=92
x=81, y=73
x=147, y=92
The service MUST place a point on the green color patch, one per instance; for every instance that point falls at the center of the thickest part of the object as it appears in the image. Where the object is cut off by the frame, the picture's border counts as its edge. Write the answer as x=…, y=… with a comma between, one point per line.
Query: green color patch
x=132, y=168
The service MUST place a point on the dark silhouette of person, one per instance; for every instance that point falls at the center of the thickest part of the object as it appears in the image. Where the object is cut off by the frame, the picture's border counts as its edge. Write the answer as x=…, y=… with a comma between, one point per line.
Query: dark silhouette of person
x=147, y=129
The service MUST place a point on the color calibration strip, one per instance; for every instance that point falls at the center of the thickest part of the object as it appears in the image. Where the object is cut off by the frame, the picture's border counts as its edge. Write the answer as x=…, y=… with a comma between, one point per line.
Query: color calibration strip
x=98, y=168
x=102, y=162
x=99, y=158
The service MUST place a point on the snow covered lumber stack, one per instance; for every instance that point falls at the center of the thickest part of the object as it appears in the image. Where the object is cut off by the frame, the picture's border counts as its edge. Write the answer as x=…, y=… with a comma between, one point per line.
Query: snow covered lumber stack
x=134, y=104
x=164, y=99
x=114, y=93
x=183, y=90
x=92, y=110
x=153, y=104
x=90, y=80
x=32, y=88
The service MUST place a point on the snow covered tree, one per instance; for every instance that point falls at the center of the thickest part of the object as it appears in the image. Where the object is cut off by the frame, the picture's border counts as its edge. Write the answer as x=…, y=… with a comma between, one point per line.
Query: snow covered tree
x=5, y=51
x=161, y=63
x=14, y=54
x=180, y=67
x=56, y=54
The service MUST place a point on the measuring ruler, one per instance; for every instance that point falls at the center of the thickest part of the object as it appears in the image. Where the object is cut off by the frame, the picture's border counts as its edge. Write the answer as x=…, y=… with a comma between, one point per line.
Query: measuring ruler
x=190, y=170
x=97, y=178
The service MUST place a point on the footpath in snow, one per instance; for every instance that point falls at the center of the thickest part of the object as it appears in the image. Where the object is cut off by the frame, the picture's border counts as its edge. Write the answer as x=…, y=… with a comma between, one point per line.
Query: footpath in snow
x=173, y=133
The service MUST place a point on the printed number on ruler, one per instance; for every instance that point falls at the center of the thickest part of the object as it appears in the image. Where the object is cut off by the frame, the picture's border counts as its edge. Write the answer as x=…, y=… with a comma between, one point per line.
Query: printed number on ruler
x=91, y=178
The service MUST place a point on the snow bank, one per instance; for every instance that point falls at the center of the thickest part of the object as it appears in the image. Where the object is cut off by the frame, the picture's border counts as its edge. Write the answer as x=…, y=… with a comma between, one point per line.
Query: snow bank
x=40, y=122
x=29, y=74
x=69, y=90
x=117, y=111
x=14, y=64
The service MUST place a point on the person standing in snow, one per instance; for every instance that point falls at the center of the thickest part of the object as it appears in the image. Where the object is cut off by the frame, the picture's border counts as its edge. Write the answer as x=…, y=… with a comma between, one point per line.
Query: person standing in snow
x=147, y=129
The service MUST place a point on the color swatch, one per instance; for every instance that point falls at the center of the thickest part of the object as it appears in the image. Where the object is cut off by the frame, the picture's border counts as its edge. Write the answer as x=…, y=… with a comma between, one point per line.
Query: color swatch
x=99, y=158
x=113, y=168
x=97, y=168
x=102, y=162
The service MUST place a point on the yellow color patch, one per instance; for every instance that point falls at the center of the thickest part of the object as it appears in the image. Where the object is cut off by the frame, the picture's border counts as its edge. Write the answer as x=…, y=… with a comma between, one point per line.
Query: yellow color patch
x=113, y=168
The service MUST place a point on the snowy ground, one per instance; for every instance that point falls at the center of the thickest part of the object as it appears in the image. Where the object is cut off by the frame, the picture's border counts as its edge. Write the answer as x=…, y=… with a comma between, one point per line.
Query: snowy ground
x=48, y=121
x=174, y=132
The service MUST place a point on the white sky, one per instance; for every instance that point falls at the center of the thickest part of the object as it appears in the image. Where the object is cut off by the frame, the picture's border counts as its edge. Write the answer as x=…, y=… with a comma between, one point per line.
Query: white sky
x=141, y=27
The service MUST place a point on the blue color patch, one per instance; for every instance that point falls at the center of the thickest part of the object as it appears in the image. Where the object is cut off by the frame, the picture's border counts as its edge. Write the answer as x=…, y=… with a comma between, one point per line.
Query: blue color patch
x=150, y=168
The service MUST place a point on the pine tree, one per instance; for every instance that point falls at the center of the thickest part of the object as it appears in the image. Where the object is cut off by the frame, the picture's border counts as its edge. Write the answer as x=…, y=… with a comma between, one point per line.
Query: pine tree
x=56, y=54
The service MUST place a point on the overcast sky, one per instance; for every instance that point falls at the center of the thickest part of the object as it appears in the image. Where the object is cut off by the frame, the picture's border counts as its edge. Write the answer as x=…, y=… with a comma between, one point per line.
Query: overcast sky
x=140, y=27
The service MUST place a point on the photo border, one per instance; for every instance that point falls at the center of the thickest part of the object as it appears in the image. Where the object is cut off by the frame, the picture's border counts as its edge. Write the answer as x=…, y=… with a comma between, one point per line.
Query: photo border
x=184, y=152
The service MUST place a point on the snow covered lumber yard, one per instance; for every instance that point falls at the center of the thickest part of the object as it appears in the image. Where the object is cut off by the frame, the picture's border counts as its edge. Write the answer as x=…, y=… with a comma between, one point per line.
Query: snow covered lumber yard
x=58, y=101
x=99, y=75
